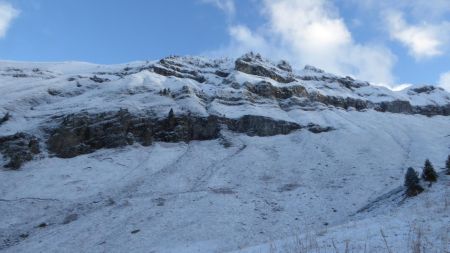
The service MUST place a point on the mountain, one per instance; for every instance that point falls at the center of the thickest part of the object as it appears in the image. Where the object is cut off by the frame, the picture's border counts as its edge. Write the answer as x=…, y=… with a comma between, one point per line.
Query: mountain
x=189, y=154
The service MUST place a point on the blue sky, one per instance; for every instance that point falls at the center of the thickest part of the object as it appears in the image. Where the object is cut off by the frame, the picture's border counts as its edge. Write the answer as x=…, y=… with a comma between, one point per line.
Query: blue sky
x=385, y=42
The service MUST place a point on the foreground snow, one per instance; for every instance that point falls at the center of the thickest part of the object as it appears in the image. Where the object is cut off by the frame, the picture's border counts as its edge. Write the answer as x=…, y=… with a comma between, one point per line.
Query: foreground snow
x=203, y=197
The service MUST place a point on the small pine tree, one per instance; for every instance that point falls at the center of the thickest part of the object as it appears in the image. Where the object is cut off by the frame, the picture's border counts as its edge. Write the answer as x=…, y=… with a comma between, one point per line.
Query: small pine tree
x=447, y=165
x=171, y=120
x=429, y=174
x=413, y=187
x=171, y=114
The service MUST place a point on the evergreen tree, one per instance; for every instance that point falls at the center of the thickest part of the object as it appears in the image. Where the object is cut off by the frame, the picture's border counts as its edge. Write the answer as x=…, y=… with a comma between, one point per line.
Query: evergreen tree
x=171, y=114
x=447, y=165
x=429, y=174
x=413, y=187
x=171, y=120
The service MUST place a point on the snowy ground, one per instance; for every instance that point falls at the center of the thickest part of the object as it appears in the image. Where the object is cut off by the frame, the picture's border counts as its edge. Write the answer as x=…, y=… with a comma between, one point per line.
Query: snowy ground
x=261, y=194
x=255, y=196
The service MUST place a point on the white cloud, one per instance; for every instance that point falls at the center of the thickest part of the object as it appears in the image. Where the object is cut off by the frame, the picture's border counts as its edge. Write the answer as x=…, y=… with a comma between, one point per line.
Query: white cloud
x=423, y=41
x=225, y=5
x=428, y=10
x=444, y=81
x=244, y=38
x=311, y=32
x=7, y=14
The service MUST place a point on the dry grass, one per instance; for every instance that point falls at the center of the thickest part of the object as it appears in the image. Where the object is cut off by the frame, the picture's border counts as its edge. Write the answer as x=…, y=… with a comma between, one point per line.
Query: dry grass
x=417, y=242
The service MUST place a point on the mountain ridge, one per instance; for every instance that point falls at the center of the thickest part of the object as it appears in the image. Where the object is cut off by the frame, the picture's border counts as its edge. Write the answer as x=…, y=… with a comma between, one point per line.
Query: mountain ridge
x=189, y=154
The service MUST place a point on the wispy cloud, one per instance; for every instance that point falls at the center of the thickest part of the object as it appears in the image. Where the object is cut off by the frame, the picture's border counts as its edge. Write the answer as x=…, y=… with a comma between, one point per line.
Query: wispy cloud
x=7, y=14
x=227, y=6
x=421, y=26
x=423, y=41
x=427, y=10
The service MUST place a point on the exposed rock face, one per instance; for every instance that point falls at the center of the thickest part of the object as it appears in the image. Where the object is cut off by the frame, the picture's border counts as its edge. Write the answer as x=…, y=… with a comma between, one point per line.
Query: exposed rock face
x=432, y=110
x=341, y=102
x=97, y=79
x=313, y=128
x=253, y=64
x=284, y=65
x=18, y=148
x=260, y=126
x=396, y=106
x=346, y=82
x=267, y=90
x=170, y=67
x=84, y=133
x=313, y=69
x=27, y=73
x=423, y=89
x=5, y=118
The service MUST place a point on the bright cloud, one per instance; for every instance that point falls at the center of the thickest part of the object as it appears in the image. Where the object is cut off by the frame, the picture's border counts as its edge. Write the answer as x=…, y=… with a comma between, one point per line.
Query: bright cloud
x=444, y=81
x=244, y=38
x=311, y=32
x=7, y=14
x=423, y=41
x=430, y=10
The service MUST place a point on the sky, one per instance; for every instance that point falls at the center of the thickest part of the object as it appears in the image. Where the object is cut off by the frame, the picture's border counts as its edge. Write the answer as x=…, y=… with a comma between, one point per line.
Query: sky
x=390, y=43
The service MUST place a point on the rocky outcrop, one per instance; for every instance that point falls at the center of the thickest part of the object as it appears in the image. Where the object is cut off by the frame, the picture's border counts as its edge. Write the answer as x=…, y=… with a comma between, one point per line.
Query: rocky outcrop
x=340, y=102
x=254, y=64
x=432, y=110
x=5, y=118
x=97, y=79
x=267, y=90
x=260, y=126
x=170, y=67
x=18, y=149
x=317, y=129
x=396, y=106
x=27, y=73
x=84, y=133
x=422, y=89
x=346, y=82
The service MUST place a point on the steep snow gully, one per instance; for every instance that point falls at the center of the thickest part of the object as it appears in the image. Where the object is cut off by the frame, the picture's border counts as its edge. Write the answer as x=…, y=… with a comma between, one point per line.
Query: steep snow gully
x=189, y=154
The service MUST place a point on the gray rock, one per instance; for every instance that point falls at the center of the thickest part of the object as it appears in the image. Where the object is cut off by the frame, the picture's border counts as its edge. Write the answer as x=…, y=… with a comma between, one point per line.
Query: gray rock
x=5, y=118
x=260, y=126
x=267, y=90
x=18, y=148
x=396, y=106
x=313, y=128
x=70, y=218
x=84, y=133
x=170, y=67
x=253, y=64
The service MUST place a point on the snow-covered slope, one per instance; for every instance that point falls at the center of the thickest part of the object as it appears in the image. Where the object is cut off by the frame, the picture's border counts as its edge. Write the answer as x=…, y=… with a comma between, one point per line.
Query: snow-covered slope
x=254, y=153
